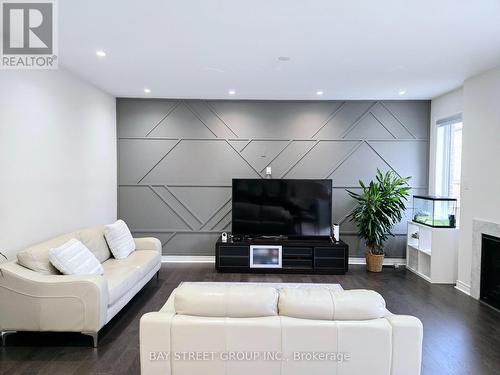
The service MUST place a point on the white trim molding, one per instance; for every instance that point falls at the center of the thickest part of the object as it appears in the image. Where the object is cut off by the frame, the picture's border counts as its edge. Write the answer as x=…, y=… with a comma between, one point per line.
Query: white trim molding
x=211, y=259
x=463, y=287
x=187, y=259
x=396, y=262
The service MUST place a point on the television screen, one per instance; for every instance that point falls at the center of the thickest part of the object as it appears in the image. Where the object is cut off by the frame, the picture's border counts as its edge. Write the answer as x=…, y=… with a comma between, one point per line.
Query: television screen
x=273, y=207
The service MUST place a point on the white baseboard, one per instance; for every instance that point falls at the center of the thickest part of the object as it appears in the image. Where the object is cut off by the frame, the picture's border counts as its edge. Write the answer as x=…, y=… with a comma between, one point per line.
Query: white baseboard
x=387, y=261
x=187, y=259
x=463, y=287
x=211, y=259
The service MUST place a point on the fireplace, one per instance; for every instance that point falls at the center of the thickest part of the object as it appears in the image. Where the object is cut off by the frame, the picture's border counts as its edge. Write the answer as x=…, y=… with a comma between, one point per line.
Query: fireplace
x=490, y=270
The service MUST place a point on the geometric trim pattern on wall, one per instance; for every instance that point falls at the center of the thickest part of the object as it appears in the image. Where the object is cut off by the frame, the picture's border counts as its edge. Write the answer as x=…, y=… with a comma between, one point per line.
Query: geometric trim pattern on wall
x=177, y=159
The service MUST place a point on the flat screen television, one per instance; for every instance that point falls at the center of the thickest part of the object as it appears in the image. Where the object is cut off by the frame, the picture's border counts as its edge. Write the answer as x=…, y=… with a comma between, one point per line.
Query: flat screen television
x=282, y=207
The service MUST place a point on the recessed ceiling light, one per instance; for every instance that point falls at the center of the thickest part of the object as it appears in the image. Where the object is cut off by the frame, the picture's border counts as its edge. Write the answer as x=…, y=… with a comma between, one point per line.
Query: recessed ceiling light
x=319, y=92
x=147, y=91
x=284, y=58
x=231, y=92
x=402, y=92
x=101, y=53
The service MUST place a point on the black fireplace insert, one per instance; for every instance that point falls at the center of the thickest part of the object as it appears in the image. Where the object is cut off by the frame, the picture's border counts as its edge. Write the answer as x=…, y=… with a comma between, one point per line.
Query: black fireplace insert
x=490, y=270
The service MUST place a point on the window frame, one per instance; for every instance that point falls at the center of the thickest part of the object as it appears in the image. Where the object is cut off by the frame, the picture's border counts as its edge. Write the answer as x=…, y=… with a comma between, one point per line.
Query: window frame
x=443, y=172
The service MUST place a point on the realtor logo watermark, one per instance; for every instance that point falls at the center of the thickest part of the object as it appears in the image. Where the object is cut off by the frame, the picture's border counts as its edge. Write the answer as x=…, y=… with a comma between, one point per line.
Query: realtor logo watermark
x=238, y=356
x=29, y=34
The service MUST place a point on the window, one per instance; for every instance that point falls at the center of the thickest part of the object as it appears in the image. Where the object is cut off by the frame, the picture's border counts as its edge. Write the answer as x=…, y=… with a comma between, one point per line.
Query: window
x=449, y=156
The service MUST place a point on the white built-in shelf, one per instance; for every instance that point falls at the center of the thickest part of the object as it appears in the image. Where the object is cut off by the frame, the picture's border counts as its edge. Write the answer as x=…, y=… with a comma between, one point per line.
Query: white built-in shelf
x=431, y=252
x=414, y=247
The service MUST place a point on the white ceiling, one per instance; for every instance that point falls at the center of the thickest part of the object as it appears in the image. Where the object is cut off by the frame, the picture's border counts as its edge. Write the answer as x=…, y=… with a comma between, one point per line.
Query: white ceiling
x=350, y=49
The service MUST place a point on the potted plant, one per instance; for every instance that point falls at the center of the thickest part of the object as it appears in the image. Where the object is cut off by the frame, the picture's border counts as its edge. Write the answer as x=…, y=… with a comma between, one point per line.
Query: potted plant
x=380, y=205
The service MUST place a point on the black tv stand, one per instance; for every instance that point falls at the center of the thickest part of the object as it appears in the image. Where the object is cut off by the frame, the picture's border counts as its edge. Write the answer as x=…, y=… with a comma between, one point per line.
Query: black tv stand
x=299, y=255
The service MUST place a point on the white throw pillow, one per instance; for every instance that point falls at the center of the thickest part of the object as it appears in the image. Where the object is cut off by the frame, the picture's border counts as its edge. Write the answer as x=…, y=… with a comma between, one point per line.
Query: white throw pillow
x=74, y=258
x=119, y=239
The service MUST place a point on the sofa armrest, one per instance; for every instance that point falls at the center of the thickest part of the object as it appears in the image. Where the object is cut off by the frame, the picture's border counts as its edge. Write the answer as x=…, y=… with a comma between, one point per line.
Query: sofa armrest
x=155, y=345
x=148, y=243
x=36, y=302
x=407, y=332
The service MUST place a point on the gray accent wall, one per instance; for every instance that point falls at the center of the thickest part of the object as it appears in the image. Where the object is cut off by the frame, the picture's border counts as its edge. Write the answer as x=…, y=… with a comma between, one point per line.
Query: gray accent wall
x=177, y=159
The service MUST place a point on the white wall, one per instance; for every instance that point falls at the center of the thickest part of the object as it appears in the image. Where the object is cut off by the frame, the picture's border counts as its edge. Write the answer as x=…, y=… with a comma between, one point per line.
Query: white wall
x=57, y=156
x=480, y=191
x=443, y=106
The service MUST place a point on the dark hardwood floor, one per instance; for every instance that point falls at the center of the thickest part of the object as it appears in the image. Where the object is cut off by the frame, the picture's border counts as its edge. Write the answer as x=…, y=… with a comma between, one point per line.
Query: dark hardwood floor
x=461, y=335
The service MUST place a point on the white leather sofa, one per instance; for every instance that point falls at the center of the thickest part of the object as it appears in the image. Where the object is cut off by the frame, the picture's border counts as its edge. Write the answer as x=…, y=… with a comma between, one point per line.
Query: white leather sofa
x=214, y=330
x=34, y=296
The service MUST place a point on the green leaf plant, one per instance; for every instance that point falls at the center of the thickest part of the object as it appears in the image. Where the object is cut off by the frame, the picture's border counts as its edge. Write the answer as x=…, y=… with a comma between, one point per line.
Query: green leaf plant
x=380, y=205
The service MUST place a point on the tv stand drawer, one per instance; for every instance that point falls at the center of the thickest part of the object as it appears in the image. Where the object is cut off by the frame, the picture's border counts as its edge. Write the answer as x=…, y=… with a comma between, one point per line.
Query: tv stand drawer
x=231, y=251
x=292, y=252
x=338, y=263
x=234, y=261
x=298, y=263
x=329, y=252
